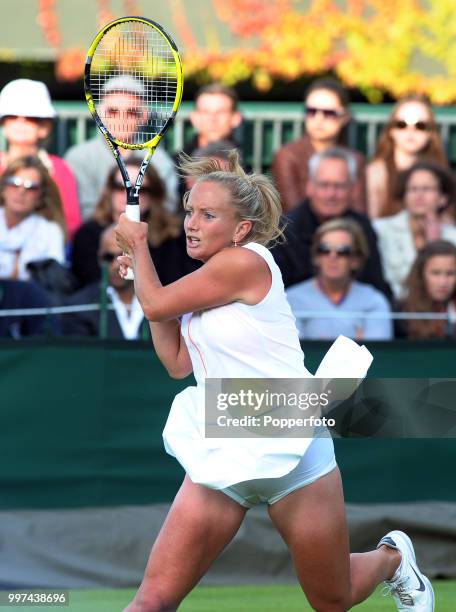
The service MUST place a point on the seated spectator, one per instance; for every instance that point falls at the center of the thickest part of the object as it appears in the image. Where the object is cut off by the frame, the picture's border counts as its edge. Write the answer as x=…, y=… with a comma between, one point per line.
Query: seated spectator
x=92, y=161
x=166, y=236
x=427, y=190
x=410, y=135
x=339, y=250
x=215, y=117
x=431, y=287
x=331, y=178
x=19, y=295
x=26, y=114
x=326, y=117
x=32, y=225
x=126, y=320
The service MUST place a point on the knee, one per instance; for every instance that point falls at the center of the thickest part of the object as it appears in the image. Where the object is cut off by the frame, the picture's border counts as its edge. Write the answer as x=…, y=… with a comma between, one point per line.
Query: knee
x=328, y=603
x=152, y=602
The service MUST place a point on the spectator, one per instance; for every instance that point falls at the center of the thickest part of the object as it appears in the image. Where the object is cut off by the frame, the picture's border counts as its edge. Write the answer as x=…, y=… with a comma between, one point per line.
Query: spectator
x=91, y=161
x=427, y=190
x=21, y=295
x=339, y=250
x=410, y=135
x=32, y=225
x=166, y=237
x=26, y=114
x=326, y=116
x=431, y=287
x=331, y=177
x=126, y=320
x=215, y=117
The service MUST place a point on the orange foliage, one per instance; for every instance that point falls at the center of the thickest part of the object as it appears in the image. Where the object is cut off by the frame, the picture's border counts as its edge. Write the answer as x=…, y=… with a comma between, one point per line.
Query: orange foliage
x=373, y=45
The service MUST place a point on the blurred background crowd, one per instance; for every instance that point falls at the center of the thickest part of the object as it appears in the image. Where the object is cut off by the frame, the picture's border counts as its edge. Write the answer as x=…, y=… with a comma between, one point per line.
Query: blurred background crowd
x=364, y=238
x=369, y=213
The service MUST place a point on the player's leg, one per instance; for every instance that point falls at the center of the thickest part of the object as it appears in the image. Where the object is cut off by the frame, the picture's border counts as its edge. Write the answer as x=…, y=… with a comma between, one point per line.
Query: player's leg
x=312, y=522
x=200, y=523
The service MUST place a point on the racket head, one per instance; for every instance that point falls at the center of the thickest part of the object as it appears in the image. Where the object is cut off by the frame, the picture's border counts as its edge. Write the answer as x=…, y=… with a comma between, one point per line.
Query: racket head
x=133, y=82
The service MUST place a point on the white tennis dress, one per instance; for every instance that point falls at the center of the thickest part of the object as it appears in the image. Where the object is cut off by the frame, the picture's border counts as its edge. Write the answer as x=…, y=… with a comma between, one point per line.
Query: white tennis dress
x=241, y=341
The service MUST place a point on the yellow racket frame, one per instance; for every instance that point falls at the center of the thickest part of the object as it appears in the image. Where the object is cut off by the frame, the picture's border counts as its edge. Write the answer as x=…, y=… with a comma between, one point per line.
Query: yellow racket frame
x=150, y=144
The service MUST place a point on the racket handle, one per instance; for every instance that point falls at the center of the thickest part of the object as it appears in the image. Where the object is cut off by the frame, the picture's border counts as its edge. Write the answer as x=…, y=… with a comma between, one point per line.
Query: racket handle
x=132, y=212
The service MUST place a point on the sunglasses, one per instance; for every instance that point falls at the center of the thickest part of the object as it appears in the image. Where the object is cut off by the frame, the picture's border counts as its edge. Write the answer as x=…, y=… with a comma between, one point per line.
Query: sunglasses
x=16, y=181
x=328, y=113
x=344, y=250
x=116, y=186
x=421, y=126
x=109, y=257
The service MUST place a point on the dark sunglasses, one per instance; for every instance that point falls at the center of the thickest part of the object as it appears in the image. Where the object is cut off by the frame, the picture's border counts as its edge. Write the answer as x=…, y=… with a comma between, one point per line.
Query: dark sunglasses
x=108, y=257
x=344, y=250
x=16, y=181
x=421, y=126
x=116, y=186
x=328, y=113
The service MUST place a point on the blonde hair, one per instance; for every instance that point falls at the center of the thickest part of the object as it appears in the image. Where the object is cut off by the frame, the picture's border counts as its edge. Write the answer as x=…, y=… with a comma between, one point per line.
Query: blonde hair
x=253, y=195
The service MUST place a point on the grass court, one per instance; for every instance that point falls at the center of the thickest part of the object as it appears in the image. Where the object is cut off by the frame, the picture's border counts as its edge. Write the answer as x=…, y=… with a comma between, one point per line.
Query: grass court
x=277, y=598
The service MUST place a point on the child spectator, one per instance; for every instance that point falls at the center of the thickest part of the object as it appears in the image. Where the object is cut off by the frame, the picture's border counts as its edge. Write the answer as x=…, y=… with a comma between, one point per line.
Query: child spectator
x=431, y=287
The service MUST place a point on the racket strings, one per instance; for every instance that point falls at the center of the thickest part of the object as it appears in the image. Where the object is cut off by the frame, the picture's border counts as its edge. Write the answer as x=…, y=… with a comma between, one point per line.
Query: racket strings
x=134, y=81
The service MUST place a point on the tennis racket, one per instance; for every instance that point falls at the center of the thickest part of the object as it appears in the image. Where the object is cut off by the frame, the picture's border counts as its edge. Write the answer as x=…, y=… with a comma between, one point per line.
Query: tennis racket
x=133, y=86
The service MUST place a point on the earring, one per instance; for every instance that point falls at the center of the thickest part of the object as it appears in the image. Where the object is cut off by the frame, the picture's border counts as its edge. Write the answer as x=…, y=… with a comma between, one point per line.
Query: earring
x=235, y=243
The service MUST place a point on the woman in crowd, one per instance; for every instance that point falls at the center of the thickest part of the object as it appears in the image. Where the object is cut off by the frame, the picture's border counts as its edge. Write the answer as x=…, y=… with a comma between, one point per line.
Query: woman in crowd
x=326, y=117
x=32, y=224
x=26, y=114
x=427, y=191
x=230, y=318
x=166, y=238
x=431, y=287
x=339, y=250
x=410, y=135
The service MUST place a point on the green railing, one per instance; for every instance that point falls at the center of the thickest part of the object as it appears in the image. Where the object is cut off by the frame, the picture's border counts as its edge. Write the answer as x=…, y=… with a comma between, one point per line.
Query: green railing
x=265, y=128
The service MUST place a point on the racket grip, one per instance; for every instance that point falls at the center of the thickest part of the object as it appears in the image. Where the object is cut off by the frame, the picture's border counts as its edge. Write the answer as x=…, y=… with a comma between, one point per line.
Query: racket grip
x=133, y=213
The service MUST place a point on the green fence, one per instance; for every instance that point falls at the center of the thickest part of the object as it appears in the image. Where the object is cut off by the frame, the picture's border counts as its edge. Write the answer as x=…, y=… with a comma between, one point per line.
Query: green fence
x=265, y=128
x=81, y=426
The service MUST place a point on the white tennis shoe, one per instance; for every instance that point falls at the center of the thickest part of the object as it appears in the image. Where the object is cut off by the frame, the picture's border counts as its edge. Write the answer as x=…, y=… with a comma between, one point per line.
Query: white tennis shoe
x=410, y=589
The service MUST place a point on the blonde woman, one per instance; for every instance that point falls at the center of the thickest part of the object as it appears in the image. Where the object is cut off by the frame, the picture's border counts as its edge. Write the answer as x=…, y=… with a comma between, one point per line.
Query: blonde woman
x=231, y=319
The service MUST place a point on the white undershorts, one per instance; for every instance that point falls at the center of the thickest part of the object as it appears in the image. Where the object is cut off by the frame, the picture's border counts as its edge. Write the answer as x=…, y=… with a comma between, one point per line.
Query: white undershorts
x=317, y=461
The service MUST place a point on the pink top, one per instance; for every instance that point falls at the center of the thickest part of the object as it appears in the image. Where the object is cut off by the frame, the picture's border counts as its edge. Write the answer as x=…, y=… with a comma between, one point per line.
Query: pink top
x=65, y=180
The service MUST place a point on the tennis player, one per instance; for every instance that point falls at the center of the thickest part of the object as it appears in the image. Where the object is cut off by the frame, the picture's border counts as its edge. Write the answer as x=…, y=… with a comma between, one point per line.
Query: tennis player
x=230, y=318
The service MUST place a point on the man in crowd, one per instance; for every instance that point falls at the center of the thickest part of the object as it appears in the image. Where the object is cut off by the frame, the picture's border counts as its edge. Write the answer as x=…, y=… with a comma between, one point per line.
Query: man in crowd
x=125, y=319
x=331, y=177
x=215, y=117
x=123, y=112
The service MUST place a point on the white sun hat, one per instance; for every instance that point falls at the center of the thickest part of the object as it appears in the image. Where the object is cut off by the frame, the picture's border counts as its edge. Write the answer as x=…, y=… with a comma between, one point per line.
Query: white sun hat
x=124, y=83
x=26, y=98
